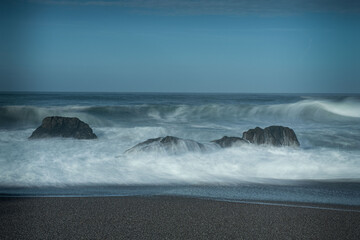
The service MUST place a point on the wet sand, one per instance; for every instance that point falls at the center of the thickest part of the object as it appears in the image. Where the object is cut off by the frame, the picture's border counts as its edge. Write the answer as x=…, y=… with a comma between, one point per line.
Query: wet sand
x=170, y=218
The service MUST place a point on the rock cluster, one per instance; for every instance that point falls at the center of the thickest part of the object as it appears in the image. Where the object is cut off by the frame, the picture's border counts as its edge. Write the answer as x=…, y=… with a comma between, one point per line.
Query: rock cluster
x=66, y=127
x=273, y=136
x=56, y=126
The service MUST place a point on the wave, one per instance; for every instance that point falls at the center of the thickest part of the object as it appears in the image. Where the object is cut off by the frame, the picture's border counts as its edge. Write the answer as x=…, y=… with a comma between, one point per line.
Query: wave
x=348, y=107
x=61, y=162
x=305, y=110
x=31, y=116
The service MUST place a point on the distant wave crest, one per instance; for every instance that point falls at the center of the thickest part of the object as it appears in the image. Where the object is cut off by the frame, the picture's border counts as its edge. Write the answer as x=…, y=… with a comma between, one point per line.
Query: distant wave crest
x=304, y=110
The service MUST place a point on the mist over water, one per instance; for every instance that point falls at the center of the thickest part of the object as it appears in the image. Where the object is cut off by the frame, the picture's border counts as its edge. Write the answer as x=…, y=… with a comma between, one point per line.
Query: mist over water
x=328, y=128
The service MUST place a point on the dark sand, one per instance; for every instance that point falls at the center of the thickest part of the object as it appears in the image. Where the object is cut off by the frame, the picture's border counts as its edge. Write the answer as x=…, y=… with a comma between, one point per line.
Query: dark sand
x=168, y=218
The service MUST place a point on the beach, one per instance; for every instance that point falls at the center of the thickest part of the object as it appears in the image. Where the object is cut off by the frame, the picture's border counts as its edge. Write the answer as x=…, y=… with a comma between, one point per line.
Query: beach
x=170, y=217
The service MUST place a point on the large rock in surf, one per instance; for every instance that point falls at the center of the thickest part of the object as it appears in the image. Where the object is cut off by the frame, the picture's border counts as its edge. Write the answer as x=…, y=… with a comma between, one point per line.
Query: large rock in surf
x=168, y=145
x=226, y=141
x=63, y=127
x=273, y=135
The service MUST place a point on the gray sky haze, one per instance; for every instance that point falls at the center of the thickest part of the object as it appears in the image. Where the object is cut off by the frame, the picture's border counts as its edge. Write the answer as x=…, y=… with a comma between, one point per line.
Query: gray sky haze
x=274, y=46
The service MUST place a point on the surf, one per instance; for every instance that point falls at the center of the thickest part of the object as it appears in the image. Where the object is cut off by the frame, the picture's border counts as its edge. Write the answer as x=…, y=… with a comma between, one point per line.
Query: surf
x=313, y=110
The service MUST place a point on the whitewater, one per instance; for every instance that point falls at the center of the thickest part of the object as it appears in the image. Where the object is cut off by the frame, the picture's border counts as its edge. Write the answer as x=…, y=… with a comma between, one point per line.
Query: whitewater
x=327, y=127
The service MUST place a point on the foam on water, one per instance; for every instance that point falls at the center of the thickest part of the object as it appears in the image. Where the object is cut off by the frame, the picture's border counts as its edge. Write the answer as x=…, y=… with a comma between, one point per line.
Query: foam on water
x=59, y=162
x=327, y=128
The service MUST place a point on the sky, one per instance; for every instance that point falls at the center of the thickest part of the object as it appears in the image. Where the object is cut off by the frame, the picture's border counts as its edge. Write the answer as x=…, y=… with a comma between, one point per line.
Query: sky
x=245, y=46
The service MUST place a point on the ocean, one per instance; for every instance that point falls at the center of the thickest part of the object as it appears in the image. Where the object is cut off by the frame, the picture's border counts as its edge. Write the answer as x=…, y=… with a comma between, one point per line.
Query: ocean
x=324, y=169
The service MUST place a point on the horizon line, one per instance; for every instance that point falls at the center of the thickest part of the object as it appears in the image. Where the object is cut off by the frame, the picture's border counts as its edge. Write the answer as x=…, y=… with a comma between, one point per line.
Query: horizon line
x=177, y=92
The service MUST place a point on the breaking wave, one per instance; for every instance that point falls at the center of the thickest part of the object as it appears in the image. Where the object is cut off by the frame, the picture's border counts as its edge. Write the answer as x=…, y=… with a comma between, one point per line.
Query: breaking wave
x=62, y=162
x=304, y=111
x=328, y=131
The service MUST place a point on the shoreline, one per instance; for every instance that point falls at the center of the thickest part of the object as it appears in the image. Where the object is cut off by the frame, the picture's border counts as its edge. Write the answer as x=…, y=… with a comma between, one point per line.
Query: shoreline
x=337, y=194
x=291, y=204
x=172, y=217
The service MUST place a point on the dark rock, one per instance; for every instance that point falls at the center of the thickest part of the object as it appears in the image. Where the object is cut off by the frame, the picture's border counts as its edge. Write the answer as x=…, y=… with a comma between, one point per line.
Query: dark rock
x=226, y=141
x=63, y=127
x=273, y=135
x=169, y=145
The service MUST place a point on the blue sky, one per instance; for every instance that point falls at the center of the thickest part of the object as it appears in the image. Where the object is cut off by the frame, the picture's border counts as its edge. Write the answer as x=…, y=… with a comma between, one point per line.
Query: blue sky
x=181, y=46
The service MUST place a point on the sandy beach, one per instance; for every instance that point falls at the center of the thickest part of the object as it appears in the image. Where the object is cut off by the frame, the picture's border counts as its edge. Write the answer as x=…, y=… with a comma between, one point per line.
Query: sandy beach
x=171, y=218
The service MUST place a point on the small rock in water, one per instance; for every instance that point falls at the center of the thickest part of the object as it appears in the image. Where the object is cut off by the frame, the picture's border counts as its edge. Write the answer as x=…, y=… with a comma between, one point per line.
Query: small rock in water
x=63, y=127
x=226, y=141
x=169, y=144
x=273, y=135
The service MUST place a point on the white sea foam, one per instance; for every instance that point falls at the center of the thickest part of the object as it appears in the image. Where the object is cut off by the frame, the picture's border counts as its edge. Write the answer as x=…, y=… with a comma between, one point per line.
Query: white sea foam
x=328, y=131
x=61, y=162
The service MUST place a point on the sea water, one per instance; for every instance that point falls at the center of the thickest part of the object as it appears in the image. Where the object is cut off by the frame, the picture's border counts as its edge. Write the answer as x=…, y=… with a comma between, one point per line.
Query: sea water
x=325, y=168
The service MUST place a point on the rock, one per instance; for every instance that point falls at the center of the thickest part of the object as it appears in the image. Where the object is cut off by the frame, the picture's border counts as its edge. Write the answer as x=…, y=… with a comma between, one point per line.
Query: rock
x=273, y=135
x=226, y=141
x=169, y=145
x=63, y=127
